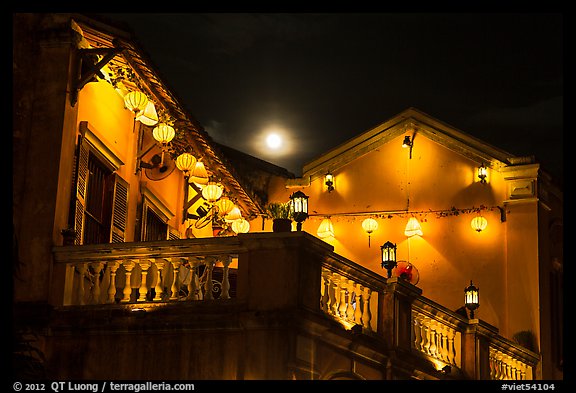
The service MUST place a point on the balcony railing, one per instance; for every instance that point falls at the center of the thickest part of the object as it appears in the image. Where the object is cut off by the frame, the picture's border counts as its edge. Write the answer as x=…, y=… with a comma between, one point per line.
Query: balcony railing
x=272, y=271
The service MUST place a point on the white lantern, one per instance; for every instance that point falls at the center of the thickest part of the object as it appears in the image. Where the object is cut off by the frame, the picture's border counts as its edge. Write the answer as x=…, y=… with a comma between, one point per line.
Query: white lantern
x=148, y=116
x=224, y=205
x=413, y=227
x=241, y=226
x=212, y=192
x=479, y=223
x=326, y=229
x=233, y=215
x=135, y=101
x=163, y=133
x=199, y=175
x=369, y=225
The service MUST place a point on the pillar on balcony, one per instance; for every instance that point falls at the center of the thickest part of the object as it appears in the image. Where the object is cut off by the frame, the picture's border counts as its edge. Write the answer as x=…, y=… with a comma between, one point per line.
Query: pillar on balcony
x=475, y=349
x=395, y=316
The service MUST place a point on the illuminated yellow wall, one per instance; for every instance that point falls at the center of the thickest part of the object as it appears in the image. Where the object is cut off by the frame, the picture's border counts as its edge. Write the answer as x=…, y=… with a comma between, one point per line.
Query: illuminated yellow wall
x=103, y=107
x=450, y=253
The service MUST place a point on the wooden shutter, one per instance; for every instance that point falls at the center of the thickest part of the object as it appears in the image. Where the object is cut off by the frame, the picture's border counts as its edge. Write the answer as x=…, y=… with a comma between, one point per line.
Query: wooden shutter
x=119, y=211
x=82, y=154
x=173, y=233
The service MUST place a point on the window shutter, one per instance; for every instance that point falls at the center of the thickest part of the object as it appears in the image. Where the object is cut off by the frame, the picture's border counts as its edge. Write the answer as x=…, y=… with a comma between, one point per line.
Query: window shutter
x=119, y=211
x=173, y=233
x=81, y=183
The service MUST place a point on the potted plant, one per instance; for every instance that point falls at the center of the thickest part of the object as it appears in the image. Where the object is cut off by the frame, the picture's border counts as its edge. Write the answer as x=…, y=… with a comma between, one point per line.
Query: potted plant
x=281, y=216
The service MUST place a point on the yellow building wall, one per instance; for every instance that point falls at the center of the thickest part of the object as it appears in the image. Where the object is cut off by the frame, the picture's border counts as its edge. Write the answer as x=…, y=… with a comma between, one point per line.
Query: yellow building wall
x=450, y=253
x=103, y=108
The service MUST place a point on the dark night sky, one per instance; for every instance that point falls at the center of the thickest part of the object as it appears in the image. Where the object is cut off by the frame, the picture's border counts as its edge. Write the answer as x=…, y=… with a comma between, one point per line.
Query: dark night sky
x=325, y=78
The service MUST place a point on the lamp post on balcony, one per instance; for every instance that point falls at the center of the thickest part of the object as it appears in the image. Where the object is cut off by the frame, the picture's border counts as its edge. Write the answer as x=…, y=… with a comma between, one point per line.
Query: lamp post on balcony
x=388, y=257
x=471, y=298
x=299, y=207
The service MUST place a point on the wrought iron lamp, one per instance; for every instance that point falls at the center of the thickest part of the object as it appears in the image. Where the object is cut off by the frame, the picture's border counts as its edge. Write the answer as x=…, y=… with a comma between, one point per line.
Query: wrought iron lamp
x=388, y=257
x=299, y=207
x=482, y=173
x=471, y=298
x=329, y=181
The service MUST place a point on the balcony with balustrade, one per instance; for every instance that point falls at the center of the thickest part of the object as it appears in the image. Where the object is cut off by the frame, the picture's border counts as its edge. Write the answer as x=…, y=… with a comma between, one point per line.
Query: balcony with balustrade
x=257, y=306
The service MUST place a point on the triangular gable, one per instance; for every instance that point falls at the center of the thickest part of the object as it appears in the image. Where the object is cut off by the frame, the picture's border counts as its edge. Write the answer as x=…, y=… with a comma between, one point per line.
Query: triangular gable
x=424, y=125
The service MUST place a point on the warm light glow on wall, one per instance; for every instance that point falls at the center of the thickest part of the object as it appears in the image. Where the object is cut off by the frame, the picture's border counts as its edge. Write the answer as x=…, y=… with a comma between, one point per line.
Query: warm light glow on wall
x=326, y=229
x=413, y=227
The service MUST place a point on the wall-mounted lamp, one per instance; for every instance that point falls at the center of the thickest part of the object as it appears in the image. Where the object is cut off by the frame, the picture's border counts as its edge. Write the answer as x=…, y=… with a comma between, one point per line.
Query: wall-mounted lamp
x=482, y=173
x=479, y=223
x=326, y=229
x=329, y=181
x=413, y=227
x=369, y=225
x=471, y=298
x=388, y=250
x=407, y=142
x=299, y=207
x=199, y=175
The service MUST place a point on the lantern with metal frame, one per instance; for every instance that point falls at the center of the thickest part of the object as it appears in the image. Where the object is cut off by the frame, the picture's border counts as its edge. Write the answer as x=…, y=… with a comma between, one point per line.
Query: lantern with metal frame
x=299, y=208
x=471, y=298
x=388, y=250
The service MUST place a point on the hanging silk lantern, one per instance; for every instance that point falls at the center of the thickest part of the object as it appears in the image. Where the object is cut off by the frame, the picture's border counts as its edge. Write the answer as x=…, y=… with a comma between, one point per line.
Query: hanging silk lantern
x=212, y=192
x=413, y=227
x=135, y=101
x=163, y=133
x=369, y=225
x=224, y=205
x=326, y=229
x=186, y=162
x=148, y=116
x=199, y=175
x=233, y=215
x=241, y=226
x=479, y=223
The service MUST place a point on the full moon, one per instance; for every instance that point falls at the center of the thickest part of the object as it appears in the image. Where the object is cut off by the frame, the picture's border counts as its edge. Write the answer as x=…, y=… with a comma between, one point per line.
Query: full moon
x=273, y=141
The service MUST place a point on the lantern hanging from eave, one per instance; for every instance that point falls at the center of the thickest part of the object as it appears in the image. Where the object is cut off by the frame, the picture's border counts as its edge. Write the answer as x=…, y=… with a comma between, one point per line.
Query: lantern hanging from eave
x=163, y=133
x=241, y=226
x=199, y=175
x=186, y=162
x=135, y=101
x=148, y=115
x=233, y=215
x=212, y=191
x=224, y=206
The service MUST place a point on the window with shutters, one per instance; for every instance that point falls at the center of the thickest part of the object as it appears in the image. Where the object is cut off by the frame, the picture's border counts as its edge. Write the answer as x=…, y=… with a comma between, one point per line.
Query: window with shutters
x=155, y=217
x=98, y=212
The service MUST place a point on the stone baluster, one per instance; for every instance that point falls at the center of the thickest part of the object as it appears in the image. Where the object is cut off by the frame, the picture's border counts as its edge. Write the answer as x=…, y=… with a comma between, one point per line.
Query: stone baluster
x=158, y=289
x=443, y=351
x=96, y=291
x=433, y=348
x=325, y=299
x=342, y=303
x=366, y=313
x=143, y=290
x=175, y=282
x=210, y=262
x=113, y=266
x=358, y=302
x=82, y=268
x=350, y=308
x=451, y=346
x=416, y=322
x=194, y=292
x=426, y=335
x=335, y=295
x=225, y=279
x=127, y=292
